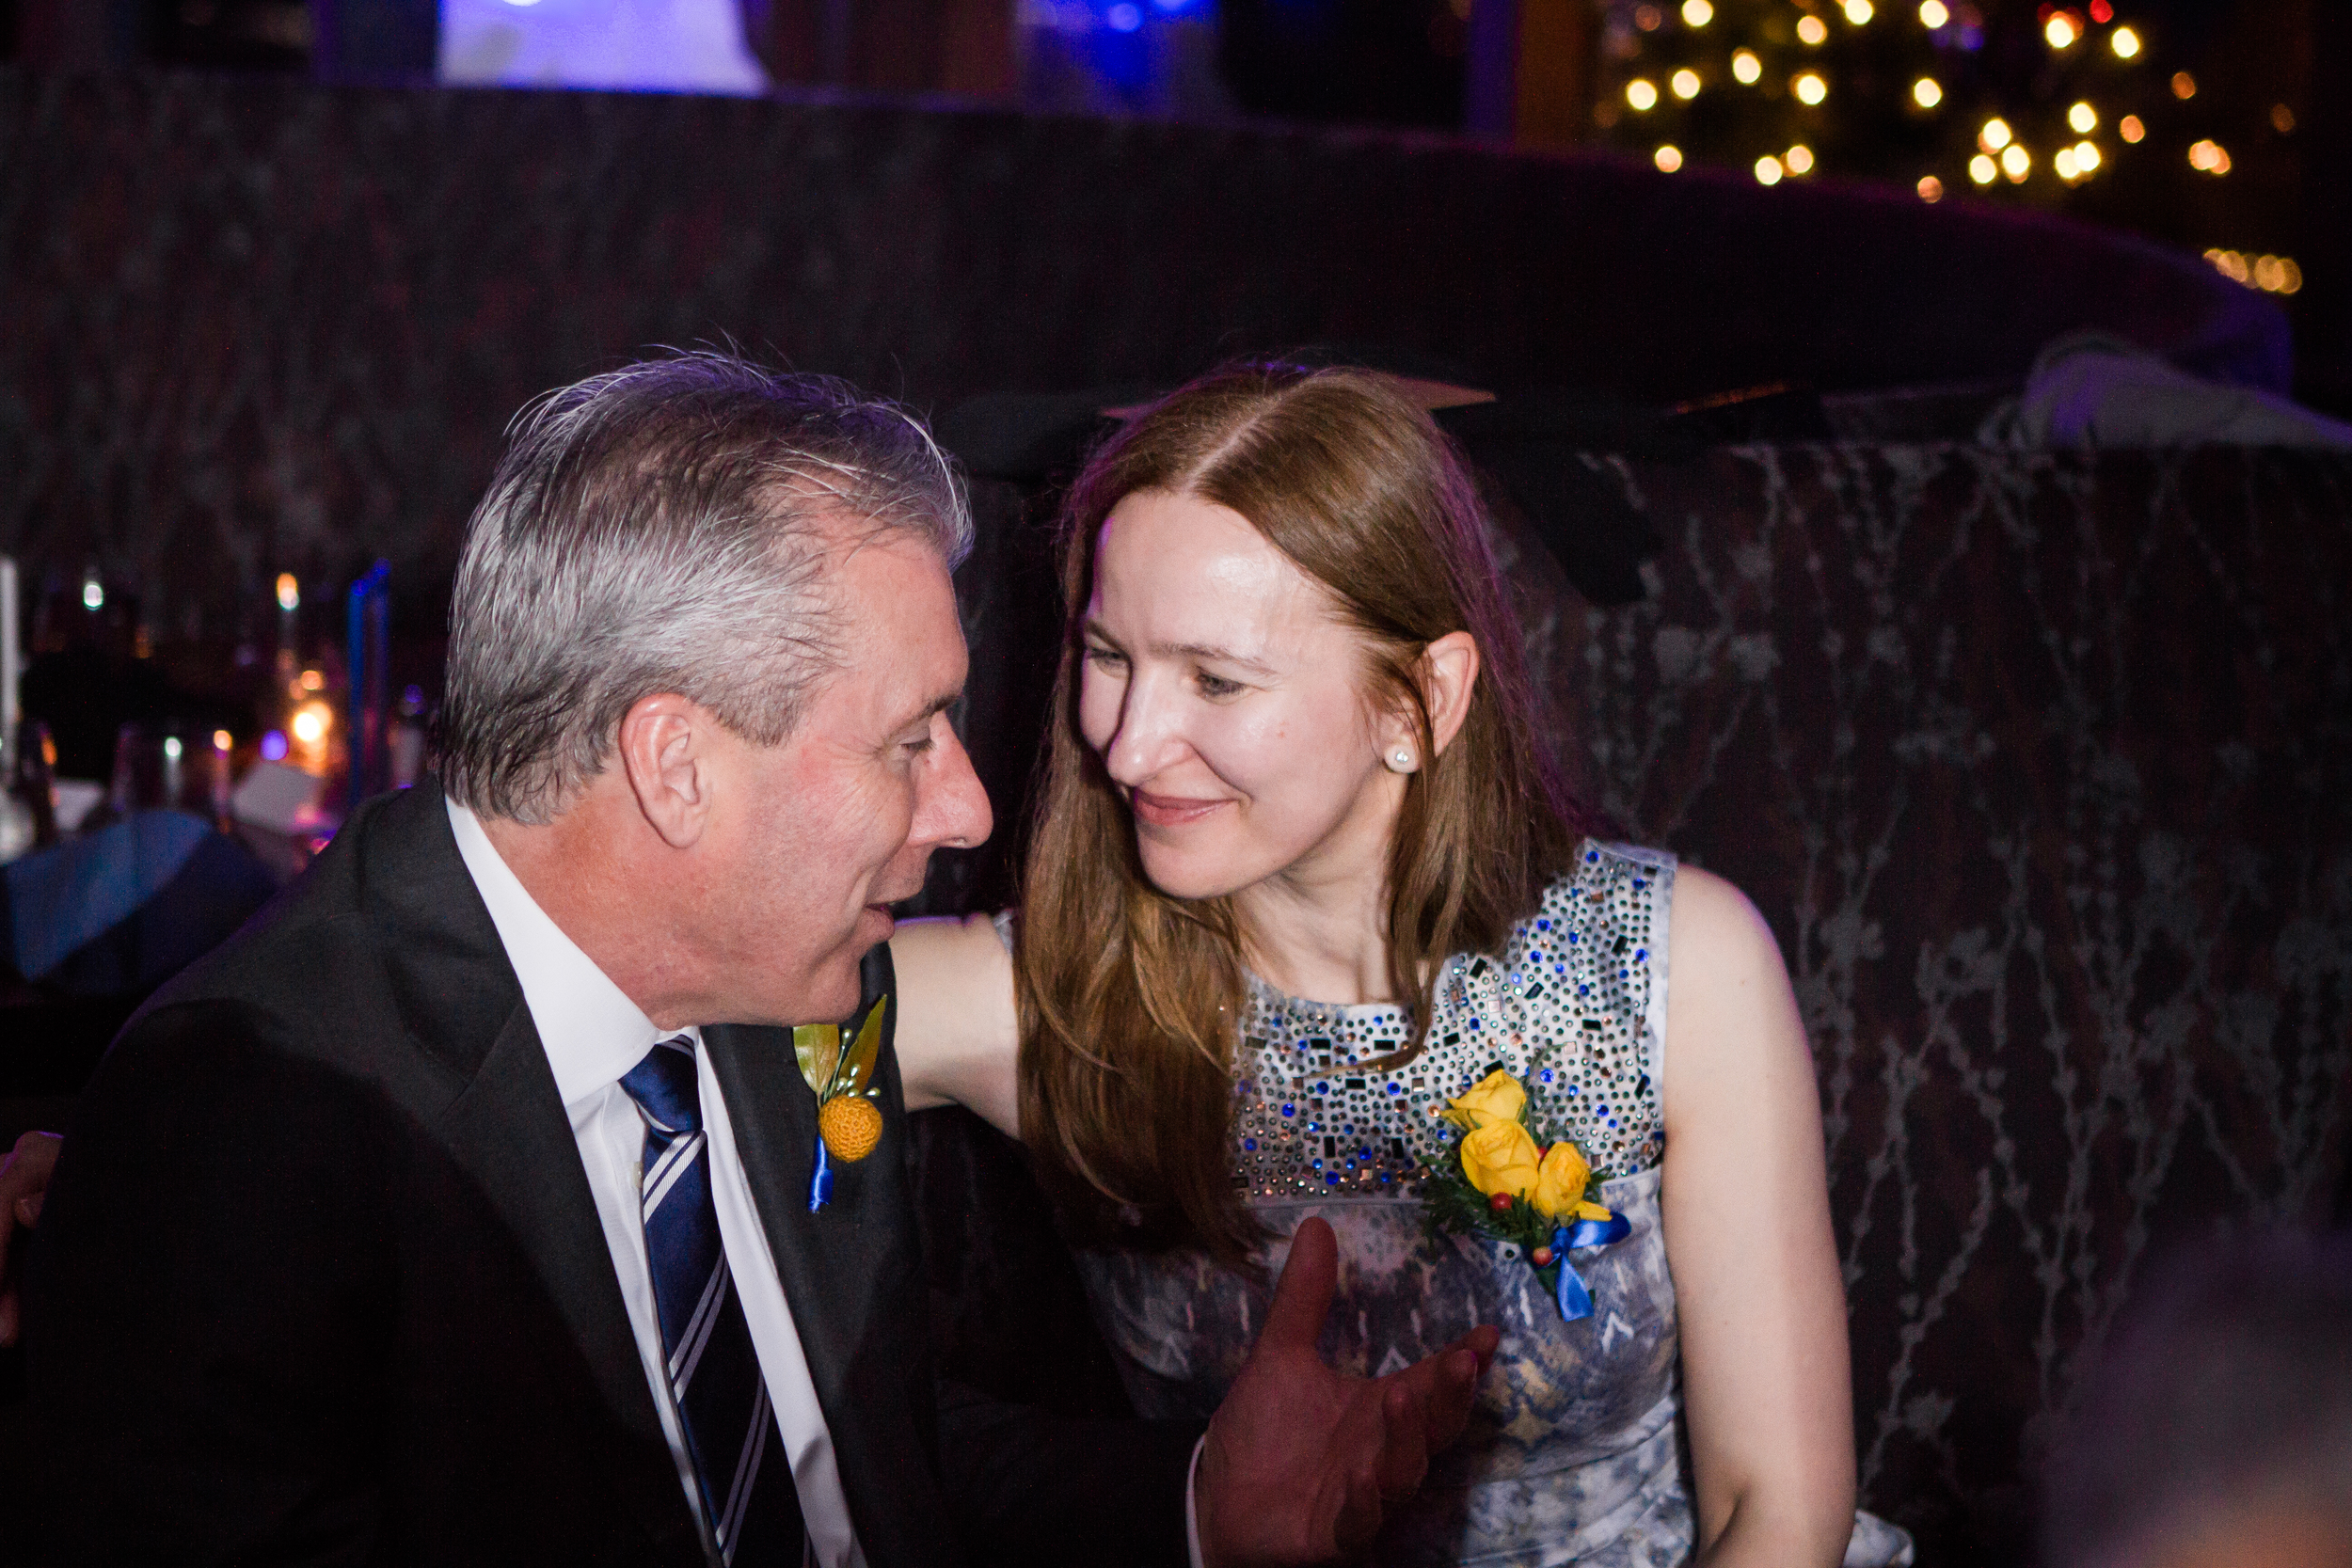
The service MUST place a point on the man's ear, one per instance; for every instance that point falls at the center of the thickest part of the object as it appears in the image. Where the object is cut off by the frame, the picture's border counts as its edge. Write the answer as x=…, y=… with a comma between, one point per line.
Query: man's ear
x=1448, y=672
x=665, y=744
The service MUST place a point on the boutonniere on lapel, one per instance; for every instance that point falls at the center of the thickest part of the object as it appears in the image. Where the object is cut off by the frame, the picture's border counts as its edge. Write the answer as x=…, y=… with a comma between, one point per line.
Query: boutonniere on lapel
x=849, y=1123
x=1501, y=1182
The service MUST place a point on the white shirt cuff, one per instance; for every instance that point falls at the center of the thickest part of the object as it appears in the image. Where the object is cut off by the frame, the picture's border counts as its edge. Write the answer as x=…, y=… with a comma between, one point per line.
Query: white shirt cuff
x=1192, y=1512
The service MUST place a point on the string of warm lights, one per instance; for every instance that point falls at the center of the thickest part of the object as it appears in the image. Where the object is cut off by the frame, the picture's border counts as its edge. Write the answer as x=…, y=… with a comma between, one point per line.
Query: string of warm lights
x=1788, y=88
x=2272, y=274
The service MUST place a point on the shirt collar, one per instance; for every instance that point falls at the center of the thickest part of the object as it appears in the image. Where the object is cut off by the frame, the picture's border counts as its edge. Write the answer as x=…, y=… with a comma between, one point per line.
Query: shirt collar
x=590, y=1029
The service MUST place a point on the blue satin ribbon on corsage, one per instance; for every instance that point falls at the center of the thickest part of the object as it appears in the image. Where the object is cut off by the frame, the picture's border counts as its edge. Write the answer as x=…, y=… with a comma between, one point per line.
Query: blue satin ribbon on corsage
x=821, y=1180
x=1574, y=1299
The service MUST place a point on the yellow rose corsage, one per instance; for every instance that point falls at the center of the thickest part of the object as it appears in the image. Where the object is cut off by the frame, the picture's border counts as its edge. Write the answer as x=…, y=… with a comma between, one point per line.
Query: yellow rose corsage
x=1502, y=1182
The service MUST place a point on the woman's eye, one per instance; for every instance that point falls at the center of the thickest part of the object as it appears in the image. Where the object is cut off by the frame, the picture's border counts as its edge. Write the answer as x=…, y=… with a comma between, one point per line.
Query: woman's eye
x=1104, y=659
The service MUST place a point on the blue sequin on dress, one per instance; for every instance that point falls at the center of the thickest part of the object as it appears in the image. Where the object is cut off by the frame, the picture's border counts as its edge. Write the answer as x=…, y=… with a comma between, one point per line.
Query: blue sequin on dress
x=1574, y=1453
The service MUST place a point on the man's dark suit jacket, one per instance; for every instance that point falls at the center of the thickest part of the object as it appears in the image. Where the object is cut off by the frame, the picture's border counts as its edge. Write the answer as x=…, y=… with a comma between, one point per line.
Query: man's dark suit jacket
x=320, y=1281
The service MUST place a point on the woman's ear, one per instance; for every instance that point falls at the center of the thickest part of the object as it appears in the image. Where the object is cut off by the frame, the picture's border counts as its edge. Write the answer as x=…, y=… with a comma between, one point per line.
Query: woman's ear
x=1449, y=672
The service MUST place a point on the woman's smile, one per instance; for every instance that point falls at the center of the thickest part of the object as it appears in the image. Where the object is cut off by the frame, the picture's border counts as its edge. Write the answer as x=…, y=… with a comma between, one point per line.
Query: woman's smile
x=1171, y=811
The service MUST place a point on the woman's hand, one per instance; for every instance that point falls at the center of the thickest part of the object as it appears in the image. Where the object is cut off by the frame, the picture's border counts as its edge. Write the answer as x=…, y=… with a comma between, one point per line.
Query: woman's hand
x=1767, y=1385
x=24, y=1182
x=958, y=1035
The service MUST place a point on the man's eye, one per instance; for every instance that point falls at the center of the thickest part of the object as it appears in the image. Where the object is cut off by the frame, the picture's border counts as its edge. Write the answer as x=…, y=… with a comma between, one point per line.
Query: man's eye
x=1216, y=686
x=1104, y=658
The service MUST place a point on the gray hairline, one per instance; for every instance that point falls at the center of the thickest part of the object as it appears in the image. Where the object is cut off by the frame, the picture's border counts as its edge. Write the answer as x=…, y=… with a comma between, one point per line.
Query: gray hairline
x=810, y=496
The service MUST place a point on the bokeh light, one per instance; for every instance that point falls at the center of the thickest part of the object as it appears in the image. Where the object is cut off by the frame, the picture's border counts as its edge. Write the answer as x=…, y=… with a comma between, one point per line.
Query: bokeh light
x=2084, y=119
x=2060, y=30
x=1859, y=11
x=1799, y=159
x=1983, y=170
x=1746, y=67
x=1810, y=89
x=2016, y=163
x=1641, y=94
x=1926, y=93
x=1996, y=136
x=2183, y=85
x=1669, y=158
x=2125, y=42
x=2130, y=129
x=1768, y=170
x=1686, y=83
x=1931, y=190
x=1698, y=13
x=1812, y=30
x=2209, y=157
x=1935, y=14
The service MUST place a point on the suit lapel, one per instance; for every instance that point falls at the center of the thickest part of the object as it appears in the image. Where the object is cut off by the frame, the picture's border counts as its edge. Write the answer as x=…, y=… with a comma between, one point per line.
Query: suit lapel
x=506, y=1129
x=852, y=1275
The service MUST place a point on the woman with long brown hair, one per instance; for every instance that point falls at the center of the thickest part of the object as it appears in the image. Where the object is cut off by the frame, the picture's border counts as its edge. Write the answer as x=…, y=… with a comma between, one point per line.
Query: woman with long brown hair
x=1310, y=926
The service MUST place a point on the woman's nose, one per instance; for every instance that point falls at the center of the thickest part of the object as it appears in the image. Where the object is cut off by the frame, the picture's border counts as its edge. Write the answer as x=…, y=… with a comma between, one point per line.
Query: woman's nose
x=1149, y=736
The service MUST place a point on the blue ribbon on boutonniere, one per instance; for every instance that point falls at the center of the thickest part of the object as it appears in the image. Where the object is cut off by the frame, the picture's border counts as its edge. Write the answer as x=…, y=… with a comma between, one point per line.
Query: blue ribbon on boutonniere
x=1574, y=1299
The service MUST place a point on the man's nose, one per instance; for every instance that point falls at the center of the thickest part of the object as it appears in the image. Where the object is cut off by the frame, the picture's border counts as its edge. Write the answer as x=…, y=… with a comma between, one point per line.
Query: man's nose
x=951, y=808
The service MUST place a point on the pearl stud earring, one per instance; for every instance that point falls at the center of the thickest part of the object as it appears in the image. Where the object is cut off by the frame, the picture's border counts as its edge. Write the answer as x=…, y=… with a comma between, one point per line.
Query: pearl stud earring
x=1400, y=761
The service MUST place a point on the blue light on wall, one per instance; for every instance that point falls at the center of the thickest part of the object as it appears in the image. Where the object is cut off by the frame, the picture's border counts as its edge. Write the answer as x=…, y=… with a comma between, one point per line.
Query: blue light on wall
x=1151, y=58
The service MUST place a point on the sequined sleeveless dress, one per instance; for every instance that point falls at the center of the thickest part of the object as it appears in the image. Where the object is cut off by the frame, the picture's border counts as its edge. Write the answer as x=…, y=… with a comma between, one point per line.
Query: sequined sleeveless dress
x=1573, y=1454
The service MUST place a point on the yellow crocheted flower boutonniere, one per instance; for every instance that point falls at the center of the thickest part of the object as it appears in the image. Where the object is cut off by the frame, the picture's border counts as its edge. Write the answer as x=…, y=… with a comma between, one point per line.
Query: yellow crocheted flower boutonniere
x=1502, y=1182
x=849, y=1123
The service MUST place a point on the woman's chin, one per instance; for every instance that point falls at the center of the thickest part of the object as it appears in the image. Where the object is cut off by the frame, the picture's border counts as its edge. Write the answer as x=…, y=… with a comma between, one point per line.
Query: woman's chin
x=1188, y=878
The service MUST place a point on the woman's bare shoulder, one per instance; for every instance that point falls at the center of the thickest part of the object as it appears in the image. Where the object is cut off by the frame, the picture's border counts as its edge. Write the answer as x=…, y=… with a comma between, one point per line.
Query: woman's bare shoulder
x=1715, y=925
x=959, y=1032
x=1732, y=1024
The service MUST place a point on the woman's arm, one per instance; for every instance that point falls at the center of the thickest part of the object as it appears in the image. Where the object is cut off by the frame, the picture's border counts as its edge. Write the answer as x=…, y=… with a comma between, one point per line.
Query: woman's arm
x=958, y=1035
x=1745, y=1201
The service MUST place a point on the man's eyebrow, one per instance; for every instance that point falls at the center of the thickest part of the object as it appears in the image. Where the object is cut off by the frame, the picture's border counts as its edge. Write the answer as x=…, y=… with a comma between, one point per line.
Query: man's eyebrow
x=1193, y=650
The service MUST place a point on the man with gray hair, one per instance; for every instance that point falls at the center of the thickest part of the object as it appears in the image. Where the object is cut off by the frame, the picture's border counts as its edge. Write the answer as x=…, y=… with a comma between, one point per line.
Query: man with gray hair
x=461, y=1208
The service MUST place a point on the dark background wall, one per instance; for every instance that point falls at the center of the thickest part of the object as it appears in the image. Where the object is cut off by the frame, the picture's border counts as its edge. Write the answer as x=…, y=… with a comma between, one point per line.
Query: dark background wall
x=250, y=326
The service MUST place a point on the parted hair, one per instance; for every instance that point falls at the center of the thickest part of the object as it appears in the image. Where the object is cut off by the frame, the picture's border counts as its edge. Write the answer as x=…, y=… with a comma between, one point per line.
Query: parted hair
x=1129, y=998
x=664, y=527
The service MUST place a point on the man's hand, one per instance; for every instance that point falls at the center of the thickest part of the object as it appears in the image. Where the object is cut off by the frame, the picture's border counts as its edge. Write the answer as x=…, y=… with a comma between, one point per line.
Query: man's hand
x=23, y=1181
x=1301, y=1460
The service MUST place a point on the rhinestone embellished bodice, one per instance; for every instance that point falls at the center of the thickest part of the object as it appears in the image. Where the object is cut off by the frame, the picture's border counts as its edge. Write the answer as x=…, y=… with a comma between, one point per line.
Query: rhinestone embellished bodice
x=1574, y=1007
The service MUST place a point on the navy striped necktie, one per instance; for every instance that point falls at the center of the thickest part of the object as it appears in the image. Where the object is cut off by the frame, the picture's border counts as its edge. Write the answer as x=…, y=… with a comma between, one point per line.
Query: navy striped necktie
x=730, y=1426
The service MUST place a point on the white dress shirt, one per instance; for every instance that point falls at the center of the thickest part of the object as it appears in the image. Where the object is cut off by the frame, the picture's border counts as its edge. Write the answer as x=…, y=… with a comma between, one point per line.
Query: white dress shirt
x=593, y=1035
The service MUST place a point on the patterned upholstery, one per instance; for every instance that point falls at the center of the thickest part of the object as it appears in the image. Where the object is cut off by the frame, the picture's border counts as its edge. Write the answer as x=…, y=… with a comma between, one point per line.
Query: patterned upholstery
x=2041, y=768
